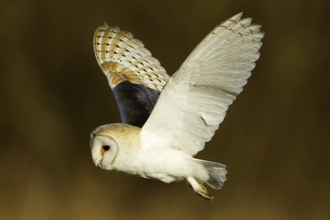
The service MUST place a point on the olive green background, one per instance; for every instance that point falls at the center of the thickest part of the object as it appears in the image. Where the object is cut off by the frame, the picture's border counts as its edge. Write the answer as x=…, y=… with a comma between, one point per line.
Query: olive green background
x=274, y=140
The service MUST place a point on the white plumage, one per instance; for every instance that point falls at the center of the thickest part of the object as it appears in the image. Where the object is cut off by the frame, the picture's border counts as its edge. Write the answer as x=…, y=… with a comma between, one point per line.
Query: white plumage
x=191, y=104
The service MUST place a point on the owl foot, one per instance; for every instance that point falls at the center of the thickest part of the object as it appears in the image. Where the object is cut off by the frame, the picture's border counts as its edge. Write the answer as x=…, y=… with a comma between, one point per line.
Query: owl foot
x=199, y=189
x=202, y=192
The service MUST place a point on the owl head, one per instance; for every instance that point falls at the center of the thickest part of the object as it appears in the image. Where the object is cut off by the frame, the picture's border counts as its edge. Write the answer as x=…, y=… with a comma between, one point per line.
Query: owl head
x=112, y=143
x=104, y=147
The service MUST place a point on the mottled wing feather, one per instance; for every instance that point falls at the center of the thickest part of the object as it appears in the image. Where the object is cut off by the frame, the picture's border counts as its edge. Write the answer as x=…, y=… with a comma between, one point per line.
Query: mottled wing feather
x=135, y=77
x=196, y=98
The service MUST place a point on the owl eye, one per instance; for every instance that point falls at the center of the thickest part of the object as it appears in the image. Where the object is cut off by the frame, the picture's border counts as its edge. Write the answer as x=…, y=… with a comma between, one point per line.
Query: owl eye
x=106, y=147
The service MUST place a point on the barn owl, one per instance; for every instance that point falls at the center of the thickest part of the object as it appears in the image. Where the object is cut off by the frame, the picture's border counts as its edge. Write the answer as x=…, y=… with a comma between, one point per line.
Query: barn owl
x=167, y=120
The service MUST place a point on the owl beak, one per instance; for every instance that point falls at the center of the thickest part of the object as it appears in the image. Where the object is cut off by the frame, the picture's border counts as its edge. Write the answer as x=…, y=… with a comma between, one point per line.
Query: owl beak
x=100, y=164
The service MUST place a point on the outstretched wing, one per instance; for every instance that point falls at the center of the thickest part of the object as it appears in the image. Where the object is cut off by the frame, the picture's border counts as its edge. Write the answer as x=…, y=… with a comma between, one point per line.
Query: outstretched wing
x=135, y=77
x=195, y=100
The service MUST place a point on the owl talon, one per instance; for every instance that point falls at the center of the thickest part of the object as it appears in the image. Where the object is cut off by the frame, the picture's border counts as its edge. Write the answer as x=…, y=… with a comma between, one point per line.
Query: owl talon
x=199, y=189
x=202, y=192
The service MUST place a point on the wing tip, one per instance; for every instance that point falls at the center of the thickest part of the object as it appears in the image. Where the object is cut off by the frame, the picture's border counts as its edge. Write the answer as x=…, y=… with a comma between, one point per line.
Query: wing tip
x=236, y=17
x=104, y=25
x=240, y=14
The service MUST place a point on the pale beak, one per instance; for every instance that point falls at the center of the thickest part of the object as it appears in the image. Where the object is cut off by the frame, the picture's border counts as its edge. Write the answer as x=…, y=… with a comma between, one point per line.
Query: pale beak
x=100, y=164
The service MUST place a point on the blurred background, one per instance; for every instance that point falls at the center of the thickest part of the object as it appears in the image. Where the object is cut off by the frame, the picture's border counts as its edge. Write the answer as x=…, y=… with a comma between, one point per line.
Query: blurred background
x=274, y=140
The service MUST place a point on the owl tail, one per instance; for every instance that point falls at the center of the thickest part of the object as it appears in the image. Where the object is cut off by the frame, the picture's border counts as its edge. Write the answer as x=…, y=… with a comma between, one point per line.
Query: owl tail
x=217, y=176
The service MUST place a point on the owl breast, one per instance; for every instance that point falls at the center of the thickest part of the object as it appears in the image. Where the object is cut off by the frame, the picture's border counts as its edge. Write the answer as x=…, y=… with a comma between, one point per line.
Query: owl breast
x=167, y=165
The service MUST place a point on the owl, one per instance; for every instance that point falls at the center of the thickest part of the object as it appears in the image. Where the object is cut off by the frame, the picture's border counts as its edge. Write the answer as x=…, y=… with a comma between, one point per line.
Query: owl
x=167, y=120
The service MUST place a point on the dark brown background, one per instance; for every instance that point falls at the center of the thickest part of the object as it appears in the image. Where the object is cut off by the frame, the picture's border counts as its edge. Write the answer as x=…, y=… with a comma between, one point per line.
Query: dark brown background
x=274, y=140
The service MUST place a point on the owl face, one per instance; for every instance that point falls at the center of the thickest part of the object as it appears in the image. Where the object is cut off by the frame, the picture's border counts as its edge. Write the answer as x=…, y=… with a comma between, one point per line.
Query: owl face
x=105, y=141
x=104, y=150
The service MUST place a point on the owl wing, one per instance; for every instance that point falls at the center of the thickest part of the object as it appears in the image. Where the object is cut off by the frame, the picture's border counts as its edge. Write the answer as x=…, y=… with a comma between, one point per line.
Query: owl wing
x=135, y=77
x=195, y=100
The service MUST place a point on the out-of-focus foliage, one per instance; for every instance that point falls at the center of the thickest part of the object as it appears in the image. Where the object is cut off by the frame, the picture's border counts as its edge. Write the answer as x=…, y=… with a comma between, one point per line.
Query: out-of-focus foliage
x=274, y=140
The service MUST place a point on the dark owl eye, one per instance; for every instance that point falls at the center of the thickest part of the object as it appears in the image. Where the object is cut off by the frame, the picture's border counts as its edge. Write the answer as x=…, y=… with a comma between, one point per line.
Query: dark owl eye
x=106, y=147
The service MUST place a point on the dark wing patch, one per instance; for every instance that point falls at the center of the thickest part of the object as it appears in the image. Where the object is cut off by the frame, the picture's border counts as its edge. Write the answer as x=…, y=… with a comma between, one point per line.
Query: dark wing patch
x=135, y=102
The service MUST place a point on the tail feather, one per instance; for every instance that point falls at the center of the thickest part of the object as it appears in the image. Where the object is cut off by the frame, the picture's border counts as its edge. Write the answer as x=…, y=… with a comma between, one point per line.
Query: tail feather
x=217, y=174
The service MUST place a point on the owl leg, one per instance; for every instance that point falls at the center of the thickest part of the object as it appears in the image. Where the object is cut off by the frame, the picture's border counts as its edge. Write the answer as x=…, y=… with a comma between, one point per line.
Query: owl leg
x=199, y=189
